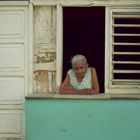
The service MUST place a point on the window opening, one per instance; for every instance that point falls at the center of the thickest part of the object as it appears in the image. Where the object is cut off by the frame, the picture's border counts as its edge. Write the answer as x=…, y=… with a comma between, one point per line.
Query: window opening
x=84, y=33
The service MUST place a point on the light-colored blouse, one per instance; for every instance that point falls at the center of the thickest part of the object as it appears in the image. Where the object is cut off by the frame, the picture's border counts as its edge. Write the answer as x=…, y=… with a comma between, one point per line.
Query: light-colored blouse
x=86, y=82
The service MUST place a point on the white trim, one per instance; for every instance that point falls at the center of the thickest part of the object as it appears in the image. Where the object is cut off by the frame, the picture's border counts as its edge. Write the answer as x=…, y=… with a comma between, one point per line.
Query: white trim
x=86, y=3
x=59, y=46
x=30, y=50
x=121, y=90
x=14, y=3
x=107, y=49
x=26, y=49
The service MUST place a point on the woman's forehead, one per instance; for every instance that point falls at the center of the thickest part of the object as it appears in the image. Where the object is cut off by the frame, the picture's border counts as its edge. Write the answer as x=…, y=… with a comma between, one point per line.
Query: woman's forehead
x=79, y=63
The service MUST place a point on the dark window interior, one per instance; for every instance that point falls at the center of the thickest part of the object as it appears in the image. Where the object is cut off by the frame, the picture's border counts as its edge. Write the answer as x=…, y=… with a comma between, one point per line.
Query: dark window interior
x=84, y=33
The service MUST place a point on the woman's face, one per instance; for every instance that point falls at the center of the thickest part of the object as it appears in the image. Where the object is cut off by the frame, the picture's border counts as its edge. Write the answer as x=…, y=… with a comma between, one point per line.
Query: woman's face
x=80, y=68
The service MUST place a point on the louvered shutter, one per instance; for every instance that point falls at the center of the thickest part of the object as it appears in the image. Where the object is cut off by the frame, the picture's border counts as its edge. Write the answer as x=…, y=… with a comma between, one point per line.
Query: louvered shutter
x=125, y=50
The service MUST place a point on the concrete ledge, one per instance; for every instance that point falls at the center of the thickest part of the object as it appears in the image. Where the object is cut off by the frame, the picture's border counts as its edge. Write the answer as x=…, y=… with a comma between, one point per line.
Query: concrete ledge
x=102, y=96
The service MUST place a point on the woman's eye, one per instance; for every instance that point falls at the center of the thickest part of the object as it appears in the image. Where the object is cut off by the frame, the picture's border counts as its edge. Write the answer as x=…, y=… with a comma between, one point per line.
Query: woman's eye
x=76, y=69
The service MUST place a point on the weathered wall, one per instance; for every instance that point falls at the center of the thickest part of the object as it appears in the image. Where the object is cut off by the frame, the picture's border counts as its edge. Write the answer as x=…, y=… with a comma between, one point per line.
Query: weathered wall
x=82, y=119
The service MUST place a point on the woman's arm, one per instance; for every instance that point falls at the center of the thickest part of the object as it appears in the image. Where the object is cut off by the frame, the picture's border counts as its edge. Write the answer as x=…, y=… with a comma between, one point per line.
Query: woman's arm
x=65, y=88
x=95, y=83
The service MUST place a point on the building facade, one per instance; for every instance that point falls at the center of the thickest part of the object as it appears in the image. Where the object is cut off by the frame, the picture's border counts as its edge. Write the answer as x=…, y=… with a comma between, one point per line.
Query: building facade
x=36, y=39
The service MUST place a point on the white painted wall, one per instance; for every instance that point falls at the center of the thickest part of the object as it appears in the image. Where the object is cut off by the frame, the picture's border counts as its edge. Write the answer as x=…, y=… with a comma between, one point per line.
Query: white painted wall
x=13, y=70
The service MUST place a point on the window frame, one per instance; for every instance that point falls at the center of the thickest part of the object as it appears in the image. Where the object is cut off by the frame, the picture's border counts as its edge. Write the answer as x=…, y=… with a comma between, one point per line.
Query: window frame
x=109, y=87
x=110, y=93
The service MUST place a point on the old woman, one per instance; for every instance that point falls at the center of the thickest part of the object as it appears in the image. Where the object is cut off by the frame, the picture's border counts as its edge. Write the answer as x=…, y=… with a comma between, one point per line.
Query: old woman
x=81, y=79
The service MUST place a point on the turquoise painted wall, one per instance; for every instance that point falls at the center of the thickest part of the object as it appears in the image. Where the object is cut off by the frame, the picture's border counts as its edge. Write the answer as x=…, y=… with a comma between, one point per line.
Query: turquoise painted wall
x=82, y=119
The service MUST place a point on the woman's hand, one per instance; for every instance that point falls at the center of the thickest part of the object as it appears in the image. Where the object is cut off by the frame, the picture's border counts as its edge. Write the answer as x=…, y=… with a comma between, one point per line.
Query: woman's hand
x=88, y=91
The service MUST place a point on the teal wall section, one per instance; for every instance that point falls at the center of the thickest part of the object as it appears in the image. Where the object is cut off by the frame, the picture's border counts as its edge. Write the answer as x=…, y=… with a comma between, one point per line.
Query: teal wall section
x=82, y=119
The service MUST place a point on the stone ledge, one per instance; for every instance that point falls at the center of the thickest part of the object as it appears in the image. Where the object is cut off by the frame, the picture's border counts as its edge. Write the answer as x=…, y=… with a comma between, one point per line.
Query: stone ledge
x=102, y=96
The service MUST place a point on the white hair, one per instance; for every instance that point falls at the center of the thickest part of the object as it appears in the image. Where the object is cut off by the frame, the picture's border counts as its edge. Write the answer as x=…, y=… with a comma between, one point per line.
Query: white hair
x=79, y=57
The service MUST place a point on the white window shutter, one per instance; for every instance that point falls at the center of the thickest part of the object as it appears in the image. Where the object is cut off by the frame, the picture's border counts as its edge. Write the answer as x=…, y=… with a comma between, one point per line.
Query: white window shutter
x=124, y=72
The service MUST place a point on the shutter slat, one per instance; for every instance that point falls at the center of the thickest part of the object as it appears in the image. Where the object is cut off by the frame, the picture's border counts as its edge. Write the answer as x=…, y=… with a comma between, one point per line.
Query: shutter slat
x=126, y=62
x=128, y=82
x=137, y=15
x=128, y=44
x=125, y=25
x=126, y=34
x=126, y=53
x=126, y=71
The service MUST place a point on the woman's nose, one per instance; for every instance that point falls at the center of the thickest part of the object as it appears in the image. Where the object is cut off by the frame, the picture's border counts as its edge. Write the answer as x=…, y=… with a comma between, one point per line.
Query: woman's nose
x=79, y=70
